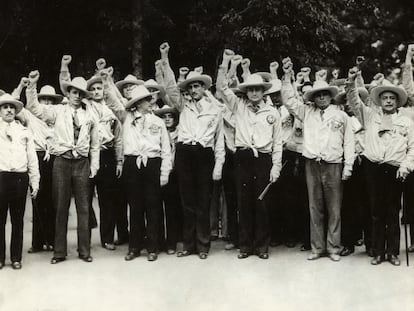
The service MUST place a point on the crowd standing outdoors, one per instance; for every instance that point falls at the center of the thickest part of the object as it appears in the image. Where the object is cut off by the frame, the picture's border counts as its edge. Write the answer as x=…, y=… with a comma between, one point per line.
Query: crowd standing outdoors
x=324, y=163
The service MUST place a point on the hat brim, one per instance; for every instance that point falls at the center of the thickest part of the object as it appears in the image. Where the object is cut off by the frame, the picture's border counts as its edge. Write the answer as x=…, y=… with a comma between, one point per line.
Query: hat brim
x=162, y=111
x=308, y=96
x=18, y=105
x=340, y=99
x=243, y=86
x=121, y=84
x=377, y=91
x=134, y=100
x=57, y=97
x=92, y=81
x=158, y=87
x=205, y=79
x=66, y=85
x=266, y=76
x=276, y=87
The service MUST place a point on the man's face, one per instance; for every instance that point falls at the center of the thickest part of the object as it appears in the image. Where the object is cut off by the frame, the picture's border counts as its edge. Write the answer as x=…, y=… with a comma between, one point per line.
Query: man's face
x=7, y=112
x=47, y=100
x=276, y=99
x=196, y=90
x=389, y=101
x=144, y=105
x=97, y=91
x=126, y=91
x=168, y=120
x=154, y=96
x=255, y=93
x=75, y=97
x=322, y=99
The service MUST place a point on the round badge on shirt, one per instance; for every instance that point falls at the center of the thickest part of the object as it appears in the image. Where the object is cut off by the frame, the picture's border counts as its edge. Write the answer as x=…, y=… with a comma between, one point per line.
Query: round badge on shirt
x=270, y=119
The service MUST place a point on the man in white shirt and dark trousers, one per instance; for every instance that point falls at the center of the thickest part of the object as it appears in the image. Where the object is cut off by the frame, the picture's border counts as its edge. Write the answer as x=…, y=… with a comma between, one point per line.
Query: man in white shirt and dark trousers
x=18, y=168
x=328, y=146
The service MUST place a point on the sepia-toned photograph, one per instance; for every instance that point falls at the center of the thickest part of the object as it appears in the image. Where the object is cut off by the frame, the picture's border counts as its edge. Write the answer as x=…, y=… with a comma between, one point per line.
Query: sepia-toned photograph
x=206, y=155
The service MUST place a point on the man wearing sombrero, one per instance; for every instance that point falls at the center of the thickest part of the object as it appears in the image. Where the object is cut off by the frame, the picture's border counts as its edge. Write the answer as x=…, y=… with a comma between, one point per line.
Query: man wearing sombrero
x=75, y=144
x=328, y=146
x=44, y=214
x=389, y=150
x=257, y=161
x=199, y=158
x=18, y=168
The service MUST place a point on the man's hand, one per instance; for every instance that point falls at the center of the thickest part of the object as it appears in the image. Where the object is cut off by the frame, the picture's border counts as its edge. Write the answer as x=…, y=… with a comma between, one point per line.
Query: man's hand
x=274, y=66
x=335, y=73
x=346, y=173
x=183, y=71
x=299, y=78
x=217, y=171
x=274, y=175
x=245, y=64
x=287, y=67
x=34, y=192
x=227, y=55
x=402, y=173
x=199, y=69
x=378, y=79
x=163, y=180
x=66, y=59
x=101, y=63
x=24, y=82
x=321, y=75
x=352, y=73
x=34, y=76
x=118, y=170
x=306, y=73
x=93, y=172
x=236, y=60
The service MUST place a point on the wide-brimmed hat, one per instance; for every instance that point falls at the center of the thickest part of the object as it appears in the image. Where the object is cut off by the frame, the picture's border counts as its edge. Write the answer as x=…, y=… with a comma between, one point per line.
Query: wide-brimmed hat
x=338, y=82
x=254, y=80
x=2, y=92
x=78, y=83
x=166, y=109
x=340, y=99
x=129, y=79
x=8, y=99
x=319, y=86
x=196, y=77
x=276, y=87
x=266, y=76
x=151, y=83
x=377, y=91
x=49, y=91
x=92, y=81
x=137, y=94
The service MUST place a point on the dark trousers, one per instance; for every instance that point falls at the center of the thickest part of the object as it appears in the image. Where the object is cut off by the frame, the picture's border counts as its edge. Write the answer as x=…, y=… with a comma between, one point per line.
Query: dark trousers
x=71, y=176
x=109, y=191
x=325, y=198
x=408, y=212
x=13, y=190
x=252, y=176
x=143, y=193
x=173, y=212
x=121, y=219
x=229, y=186
x=353, y=207
x=384, y=192
x=195, y=169
x=44, y=213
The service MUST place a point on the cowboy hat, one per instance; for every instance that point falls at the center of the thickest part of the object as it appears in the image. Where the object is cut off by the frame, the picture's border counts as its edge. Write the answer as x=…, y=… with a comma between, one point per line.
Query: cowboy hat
x=254, y=80
x=48, y=91
x=340, y=99
x=151, y=83
x=166, y=109
x=196, y=77
x=137, y=94
x=78, y=83
x=400, y=92
x=266, y=76
x=8, y=99
x=129, y=79
x=276, y=87
x=92, y=81
x=319, y=86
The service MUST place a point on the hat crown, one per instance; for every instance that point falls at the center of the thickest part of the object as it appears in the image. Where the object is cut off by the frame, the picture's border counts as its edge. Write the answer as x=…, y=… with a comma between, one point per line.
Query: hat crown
x=254, y=79
x=140, y=91
x=276, y=86
x=7, y=97
x=79, y=83
x=47, y=90
x=150, y=82
x=131, y=77
x=193, y=74
x=320, y=84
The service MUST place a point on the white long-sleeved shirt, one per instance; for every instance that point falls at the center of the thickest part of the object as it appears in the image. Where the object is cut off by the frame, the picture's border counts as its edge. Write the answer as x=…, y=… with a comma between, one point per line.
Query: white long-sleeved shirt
x=17, y=152
x=327, y=135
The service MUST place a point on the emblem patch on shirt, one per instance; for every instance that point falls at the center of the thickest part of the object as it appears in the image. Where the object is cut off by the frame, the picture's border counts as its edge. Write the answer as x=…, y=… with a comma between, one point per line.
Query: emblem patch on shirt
x=287, y=122
x=336, y=125
x=154, y=129
x=210, y=124
x=270, y=119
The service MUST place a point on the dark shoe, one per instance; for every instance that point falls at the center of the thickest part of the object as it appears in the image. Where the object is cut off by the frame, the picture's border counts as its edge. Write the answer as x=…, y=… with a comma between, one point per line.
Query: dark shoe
x=263, y=255
x=346, y=251
x=183, y=253
x=152, y=257
x=290, y=244
x=131, y=255
x=243, y=255
x=121, y=242
x=203, y=255
x=170, y=251
x=305, y=247
x=376, y=260
x=33, y=250
x=56, y=260
x=394, y=260
x=275, y=243
x=411, y=249
x=86, y=258
x=1, y=265
x=214, y=238
x=109, y=246
x=16, y=265
x=49, y=248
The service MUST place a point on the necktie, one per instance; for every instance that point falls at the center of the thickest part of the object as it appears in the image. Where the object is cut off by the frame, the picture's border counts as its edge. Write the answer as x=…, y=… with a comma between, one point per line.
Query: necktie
x=76, y=125
x=8, y=132
x=322, y=112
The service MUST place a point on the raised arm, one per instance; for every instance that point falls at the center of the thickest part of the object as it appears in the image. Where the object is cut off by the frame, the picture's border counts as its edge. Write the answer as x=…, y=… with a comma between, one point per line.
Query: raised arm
x=407, y=74
x=111, y=99
x=64, y=74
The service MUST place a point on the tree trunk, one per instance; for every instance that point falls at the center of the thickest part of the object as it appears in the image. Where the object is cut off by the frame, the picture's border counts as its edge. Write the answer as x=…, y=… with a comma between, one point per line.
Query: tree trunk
x=137, y=17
